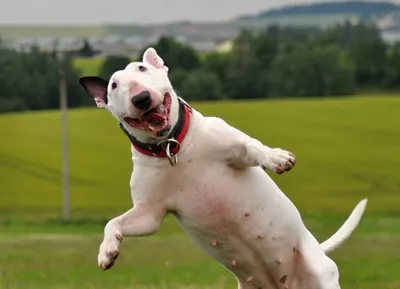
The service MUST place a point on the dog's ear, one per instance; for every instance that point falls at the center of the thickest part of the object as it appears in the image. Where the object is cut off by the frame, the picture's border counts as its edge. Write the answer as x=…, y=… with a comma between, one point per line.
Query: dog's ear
x=151, y=57
x=96, y=88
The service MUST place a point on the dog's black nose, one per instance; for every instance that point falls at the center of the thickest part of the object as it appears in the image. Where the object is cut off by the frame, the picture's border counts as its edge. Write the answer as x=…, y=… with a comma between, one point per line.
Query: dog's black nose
x=142, y=100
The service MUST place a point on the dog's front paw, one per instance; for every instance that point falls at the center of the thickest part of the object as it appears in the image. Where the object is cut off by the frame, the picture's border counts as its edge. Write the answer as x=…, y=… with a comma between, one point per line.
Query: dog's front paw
x=108, y=252
x=279, y=160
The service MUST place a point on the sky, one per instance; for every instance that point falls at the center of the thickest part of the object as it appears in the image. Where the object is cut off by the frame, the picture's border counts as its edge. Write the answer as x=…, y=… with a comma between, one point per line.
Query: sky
x=132, y=11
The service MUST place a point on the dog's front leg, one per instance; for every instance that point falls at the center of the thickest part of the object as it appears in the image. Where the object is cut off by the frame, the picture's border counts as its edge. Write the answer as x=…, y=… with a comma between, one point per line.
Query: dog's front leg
x=249, y=152
x=141, y=220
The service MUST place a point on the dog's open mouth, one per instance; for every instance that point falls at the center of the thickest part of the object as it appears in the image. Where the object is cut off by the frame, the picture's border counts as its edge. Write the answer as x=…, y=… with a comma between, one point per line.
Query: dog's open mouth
x=156, y=120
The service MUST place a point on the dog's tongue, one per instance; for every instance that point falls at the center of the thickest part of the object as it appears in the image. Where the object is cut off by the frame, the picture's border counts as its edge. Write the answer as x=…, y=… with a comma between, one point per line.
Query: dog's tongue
x=155, y=119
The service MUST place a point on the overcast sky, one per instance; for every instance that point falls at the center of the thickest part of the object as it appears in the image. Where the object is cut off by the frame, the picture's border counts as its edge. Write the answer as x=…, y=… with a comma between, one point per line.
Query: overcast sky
x=129, y=11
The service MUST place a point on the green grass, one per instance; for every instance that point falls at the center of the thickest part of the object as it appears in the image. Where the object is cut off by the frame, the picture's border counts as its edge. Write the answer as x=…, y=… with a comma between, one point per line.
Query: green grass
x=88, y=66
x=347, y=149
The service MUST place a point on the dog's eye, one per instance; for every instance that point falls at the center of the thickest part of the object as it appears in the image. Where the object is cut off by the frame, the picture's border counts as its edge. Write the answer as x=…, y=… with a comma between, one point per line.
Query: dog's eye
x=113, y=85
x=142, y=68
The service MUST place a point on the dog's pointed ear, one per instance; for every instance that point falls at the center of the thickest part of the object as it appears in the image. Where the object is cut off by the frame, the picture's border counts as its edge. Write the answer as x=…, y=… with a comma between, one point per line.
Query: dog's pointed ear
x=151, y=57
x=96, y=88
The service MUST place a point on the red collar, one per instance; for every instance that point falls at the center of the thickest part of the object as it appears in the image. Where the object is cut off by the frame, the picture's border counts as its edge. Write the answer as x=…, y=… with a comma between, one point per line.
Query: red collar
x=177, y=134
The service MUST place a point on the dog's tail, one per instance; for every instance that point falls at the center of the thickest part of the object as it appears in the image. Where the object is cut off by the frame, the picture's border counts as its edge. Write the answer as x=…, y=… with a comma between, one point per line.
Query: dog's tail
x=346, y=229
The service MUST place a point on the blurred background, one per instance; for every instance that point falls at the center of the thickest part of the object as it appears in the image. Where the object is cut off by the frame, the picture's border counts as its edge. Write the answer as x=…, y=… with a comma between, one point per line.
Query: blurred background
x=321, y=79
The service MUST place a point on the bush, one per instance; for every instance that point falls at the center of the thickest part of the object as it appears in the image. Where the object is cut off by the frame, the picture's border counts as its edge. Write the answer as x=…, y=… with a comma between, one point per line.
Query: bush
x=177, y=77
x=201, y=85
x=112, y=64
x=30, y=81
x=176, y=55
x=311, y=72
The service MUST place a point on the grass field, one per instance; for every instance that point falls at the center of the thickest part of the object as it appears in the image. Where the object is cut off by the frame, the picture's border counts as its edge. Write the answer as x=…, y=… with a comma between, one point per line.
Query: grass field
x=347, y=149
x=88, y=66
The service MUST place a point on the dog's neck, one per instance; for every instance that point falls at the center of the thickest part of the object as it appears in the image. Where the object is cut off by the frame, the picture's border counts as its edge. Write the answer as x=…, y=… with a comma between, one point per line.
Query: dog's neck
x=157, y=147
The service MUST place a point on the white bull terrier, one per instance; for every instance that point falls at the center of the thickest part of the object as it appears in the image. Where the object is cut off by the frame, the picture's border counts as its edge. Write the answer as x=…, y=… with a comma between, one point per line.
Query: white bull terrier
x=212, y=178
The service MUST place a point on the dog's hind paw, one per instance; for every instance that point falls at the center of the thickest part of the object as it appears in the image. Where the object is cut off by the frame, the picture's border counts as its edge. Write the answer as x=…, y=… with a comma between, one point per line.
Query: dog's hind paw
x=279, y=160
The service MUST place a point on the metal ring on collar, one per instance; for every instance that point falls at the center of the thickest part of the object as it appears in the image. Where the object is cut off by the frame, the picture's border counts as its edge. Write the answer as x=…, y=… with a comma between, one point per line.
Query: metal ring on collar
x=173, y=159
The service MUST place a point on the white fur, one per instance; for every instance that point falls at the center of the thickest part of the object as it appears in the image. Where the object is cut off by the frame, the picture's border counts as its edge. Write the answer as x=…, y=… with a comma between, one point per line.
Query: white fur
x=222, y=198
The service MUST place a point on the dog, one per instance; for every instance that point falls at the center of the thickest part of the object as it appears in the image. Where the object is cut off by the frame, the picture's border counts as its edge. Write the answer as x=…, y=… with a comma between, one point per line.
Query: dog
x=212, y=178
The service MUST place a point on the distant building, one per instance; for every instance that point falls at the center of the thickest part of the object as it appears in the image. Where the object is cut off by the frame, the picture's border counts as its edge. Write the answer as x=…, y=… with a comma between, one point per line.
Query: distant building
x=102, y=47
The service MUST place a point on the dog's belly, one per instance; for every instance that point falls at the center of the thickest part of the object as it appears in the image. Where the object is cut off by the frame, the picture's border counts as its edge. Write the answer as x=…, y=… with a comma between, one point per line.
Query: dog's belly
x=243, y=220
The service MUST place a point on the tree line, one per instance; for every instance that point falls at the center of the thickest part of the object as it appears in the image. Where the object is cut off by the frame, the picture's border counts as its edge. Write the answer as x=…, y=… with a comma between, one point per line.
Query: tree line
x=271, y=63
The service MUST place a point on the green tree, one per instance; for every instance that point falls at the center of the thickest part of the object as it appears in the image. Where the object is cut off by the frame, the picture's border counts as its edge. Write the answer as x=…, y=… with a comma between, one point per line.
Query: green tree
x=392, y=71
x=322, y=71
x=30, y=81
x=177, y=78
x=201, y=85
x=218, y=63
x=367, y=48
x=112, y=64
x=245, y=72
x=87, y=50
x=369, y=57
x=175, y=54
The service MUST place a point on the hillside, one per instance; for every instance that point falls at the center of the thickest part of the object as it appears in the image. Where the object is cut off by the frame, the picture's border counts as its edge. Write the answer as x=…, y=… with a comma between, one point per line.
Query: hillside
x=384, y=14
x=340, y=145
x=352, y=7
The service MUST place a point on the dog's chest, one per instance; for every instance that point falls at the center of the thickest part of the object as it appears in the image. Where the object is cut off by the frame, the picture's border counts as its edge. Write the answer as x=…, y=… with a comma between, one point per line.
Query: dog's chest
x=216, y=199
x=207, y=205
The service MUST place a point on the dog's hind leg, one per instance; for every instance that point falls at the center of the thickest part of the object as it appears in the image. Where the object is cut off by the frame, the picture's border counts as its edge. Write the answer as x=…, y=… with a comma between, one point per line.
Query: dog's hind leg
x=315, y=272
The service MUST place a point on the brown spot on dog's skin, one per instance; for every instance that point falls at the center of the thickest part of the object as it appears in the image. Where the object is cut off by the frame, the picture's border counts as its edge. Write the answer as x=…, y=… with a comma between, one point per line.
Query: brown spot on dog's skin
x=283, y=279
x=247, y=214
x=294, y=249
x=114, y=254
x=260, y=236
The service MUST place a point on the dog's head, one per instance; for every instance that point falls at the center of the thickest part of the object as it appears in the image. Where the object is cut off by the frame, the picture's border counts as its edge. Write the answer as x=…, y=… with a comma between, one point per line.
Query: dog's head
x=141, y=97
